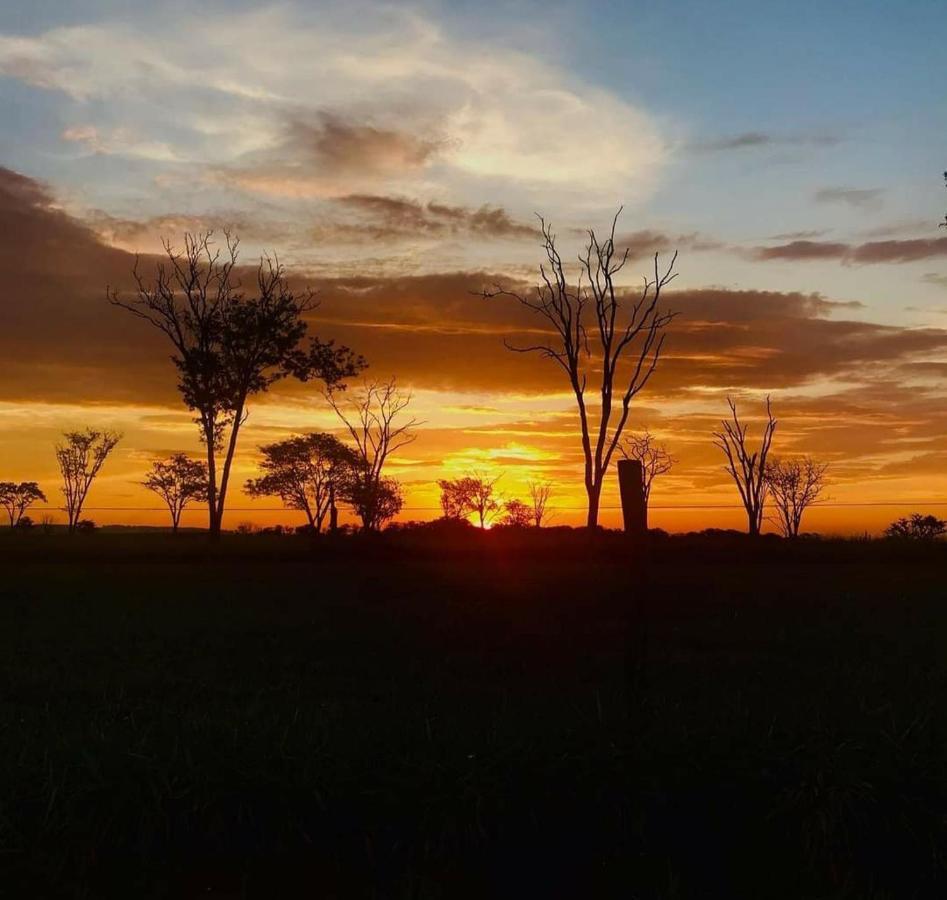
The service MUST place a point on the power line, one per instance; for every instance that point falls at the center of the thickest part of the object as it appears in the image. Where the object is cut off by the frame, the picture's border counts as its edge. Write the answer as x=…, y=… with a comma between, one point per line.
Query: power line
x=654, y=506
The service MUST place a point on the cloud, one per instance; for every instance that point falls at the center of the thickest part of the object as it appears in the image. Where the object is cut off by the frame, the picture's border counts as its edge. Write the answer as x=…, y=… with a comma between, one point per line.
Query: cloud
x=62, y=342
x=869, y=253
x=761, y=139
x=858, y=198
x=381, y=218
x=647, y=243
x=297, y=100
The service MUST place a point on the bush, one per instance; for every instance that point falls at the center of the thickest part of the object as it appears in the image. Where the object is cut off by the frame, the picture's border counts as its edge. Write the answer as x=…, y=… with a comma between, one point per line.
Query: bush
x=85, y=526
x=917, y=528
x=25, y=523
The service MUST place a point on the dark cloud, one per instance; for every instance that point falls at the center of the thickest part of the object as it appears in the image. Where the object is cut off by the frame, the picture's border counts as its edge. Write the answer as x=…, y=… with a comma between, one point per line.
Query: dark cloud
x=647, y=243
x=327, y=155
x=373, y=217
x=61, y=341
x=859, y=198
x=344, y=147
x=868, y=253
x=761, y=139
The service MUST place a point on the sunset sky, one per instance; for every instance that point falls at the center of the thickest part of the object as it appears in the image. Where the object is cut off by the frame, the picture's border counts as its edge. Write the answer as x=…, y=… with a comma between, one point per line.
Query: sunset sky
x=395, y=156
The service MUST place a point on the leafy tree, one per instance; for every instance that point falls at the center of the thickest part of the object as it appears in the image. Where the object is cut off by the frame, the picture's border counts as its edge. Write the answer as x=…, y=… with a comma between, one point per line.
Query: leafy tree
x=628, y=333
x=374, y=418
x=747, y=467
x=230, y=344
x=309, y=473
x=472, y=494
x=17, y=497
x=81, y=455
x=375, y=501
x=178, y=481
x=516, y=514
x=917, y=527
x=794, y=484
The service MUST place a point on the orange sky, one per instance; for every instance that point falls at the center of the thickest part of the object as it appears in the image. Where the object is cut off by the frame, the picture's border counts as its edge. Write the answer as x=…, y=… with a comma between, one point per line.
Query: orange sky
x=395, y=160
x=866, y=397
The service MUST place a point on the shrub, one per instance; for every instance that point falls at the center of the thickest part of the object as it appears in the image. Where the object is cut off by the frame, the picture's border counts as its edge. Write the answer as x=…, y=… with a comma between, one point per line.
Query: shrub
x=917, y=527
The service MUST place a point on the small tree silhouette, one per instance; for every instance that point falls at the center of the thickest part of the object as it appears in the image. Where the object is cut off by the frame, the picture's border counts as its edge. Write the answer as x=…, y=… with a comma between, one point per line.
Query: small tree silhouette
x=795, y=484
x=917, y=527
x=747, y=468
x=372, y=416
x=472, y=494
x=539, y=494
x=309, y=473
x=654, y=458
x=17, y=498
x=516, y=514
x=81, y=455
x=178, y=481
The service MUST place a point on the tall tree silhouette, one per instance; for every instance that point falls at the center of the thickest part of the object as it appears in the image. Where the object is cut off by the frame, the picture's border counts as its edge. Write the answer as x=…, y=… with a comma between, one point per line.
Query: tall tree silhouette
x=17, y=497
x=230, y=344
x=795, y=484
x=374, y=418
x=747, y=467
x=81, y=455
x=310, y=473
x=178, y=481
x=627, y=346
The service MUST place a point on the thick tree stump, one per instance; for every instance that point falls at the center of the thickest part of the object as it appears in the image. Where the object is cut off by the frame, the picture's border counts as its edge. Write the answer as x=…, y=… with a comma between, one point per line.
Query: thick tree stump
x=633, y=506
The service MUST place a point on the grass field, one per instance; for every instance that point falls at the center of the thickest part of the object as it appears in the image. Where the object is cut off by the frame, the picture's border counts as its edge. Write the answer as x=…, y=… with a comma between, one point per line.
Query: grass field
x=532, y=717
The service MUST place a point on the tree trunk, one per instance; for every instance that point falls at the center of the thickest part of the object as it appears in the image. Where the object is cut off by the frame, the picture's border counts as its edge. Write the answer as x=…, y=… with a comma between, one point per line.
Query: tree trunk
x=595, y=493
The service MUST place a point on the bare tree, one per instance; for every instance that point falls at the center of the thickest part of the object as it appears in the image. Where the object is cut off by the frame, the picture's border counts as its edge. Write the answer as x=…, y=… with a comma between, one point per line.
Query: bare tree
x=81, y=455
x=654, y=458
x=371, y=416
x=747, y=468
x=230, y=345
x=472, y=494
x=178, y=481
x=539, y=494
x=309, y=473
x=17, y=497
x=627, y=347
x=795, y=484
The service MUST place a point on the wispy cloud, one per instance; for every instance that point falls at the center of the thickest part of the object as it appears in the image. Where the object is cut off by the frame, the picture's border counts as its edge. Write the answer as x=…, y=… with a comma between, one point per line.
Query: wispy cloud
x=858, y=198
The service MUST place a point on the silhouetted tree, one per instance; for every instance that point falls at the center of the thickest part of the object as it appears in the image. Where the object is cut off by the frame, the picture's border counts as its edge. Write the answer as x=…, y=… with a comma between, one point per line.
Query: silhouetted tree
x=626, y=351
x=516, y=514
x=308, y=473
x=375, y=501
x=178, y=481
x=795, y=484
x=371, y=416
x=471, y=495
x=917, y=527
x=454, y=498
x=17, y=497
x=230, y=345
x=81, y=455
x=539, y=494
x=747, y=467
x=654, y=458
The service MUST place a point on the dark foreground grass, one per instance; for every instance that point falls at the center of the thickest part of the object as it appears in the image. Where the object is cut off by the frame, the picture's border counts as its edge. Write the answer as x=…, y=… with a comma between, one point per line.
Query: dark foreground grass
x=378, y=719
